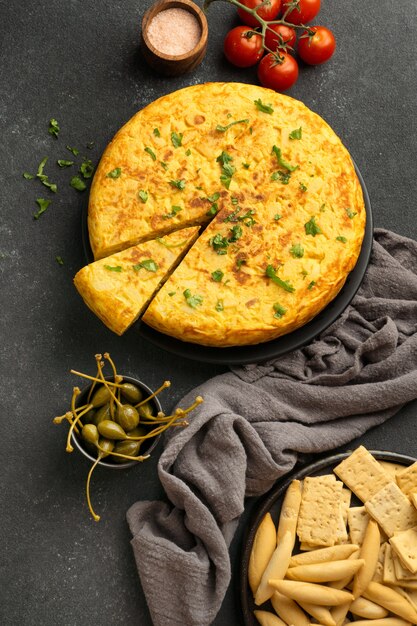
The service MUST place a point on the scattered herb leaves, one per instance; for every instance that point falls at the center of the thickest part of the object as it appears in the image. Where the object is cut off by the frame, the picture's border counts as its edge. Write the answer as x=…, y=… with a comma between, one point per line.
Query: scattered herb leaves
x=278, y=153
x=283, y=177
x=341, y=238
x=297, y=251
x=151, y=153
x=311, y=285
x=28, y=176
x=227, y=170
x=279, y=310
x=179, y=184
x=223, y=129
x=217, y=276
x=176, y=139
x=188, y=152
x=65, y=163
x=87, y=168
x=219, y=244
x=143, y=195
x=303, y=187
x=147, y=264
x=312, y=228
x=59, y=260
x=43, y=205
x=174, y=211
x=113, y=268
x=74, y=151
x=114, y=173
x=236, y=233
x=350, y=213
x=156, y=132
x=296, y=134
x=265, y=108
x=78, y=183
x=270, y=272
x=277, y=217
x=192, y=301
x=240, y=262
x=53, y=128
x=219, y=306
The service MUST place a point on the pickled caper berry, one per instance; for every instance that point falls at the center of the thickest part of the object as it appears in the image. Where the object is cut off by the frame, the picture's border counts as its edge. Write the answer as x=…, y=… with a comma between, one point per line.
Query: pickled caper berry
x=129, y=448
x=146, y=410
x=127, y=416
x=111, y=430
x=90, y=433
x=131, y=393
x=100, y=397
x=102, y=413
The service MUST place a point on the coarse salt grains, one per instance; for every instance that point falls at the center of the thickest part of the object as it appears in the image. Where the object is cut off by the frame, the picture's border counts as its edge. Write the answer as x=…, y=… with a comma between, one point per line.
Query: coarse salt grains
x=174, y=31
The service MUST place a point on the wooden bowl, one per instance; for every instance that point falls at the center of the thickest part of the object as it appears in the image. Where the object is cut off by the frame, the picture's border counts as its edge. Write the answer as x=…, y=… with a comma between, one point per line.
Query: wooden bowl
x=174, y=65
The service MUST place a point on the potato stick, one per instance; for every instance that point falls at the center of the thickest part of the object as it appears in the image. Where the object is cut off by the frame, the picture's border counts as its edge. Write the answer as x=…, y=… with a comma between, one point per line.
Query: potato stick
x=343, y=582
x=365, y=608
x=334, y=553
x=310, y=592
x=325, y=572
x=265, y=618
x=263, y=547
x=320, y=613
x=289, y=511
x=339, y=612
x=369, y=552
x=386, y=621
x=391, y=600
x=276, y=568
x=288, y=610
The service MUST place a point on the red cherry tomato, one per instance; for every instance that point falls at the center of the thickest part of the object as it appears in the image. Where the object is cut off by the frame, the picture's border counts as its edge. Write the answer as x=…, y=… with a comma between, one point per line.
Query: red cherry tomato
x=306, y=11
x=278, y=35
x=243, y=47
x=278, y=75
x=318, y=48
x=268, y=12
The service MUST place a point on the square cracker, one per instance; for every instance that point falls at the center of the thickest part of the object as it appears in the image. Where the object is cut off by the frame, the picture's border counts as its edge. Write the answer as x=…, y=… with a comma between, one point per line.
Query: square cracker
x=405, y=546
x=342, y=535
x=392, y=509
x=378, y=576
x=391, y=468
x=319, y=517
x=362, y=473
x=402, y=573
x=358, y=520
x=407, y=479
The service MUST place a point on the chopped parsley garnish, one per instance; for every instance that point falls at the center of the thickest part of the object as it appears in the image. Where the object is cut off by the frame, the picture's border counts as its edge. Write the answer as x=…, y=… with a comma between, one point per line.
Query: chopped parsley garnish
x=227, y=170
x=192, y=301
x=219, y=244
x=279, y=310
x=219, y=306
x=297, y=251
x=114, y=173
x=188, y=152
x=170, y=245
x=179, y=184
x=28, y=176
x=43, y=205
x=247, y=219
x=296, y=134
x=246, y=165
x=236, y=233
x=235, y=201
x=53, y=127
x=151, y=153
x=113, y=268
x=44, y=178
x=265, y=108
x=164, y=165
x=87, y=168
x=65, y=163
x=303, y=187
x=312, y=228
x=322, y=208
x=172, y=293
x=74, y=151
x=311, y=285
x=156, y=132
x=59, y=260
x=278, y=153
x=233, y=216
x=217, y=276
x=350, y=213
x=277, y=217
x=270, y=272
x=240, y=262
x=223, y=129
x=341, y=238
x=78, y=183
x=143, y=195
x=174, y=211
x=176, y=139
x=147, y=264
x=283, y=177
x=212, y=210
x=214, y=197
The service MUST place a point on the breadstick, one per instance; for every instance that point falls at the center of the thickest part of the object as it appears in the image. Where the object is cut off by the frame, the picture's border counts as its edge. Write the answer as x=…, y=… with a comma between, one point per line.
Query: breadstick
x=365, y=608
x=265, y=618
x=276, y=568
x=288, y=610
x=386, y=621
x=369, y=552
x=322, y=555
x=289, y=511
x=325, y=572
x=339, y=612
x=391, y=600
x=310, y=592
x=263, y=547
x=320, y=613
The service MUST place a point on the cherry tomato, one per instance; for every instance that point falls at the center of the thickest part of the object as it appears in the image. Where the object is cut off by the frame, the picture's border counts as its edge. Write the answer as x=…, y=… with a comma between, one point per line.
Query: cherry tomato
x=278, y=75
x=243, y=47
x=278, y=35
x=318, y=48
x=268, y=12
x=306, y=11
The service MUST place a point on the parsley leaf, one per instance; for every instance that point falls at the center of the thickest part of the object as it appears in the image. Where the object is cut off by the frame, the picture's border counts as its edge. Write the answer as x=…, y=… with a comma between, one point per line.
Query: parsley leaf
x=212, y=210
x=265, y=108
x=174, y=211
x=350, y=213
x=311, y=285
x=179, y=184
x=278, y=154
x=44, y=178
x=227, y=170
x=143, y=195
x=188, y=152
x=65, y=163
x=59, y=260
x=151, y=153
x=172, y=293
x=296, y=134
x=214, y=197
x=219, y=244
x=279, y=310
x=236, y=233
x=43, y=205
x=219, y=306
x=283, y=177
x=246, y=165
x=28, y=176
x=156, y=132
x=223, y=129
x=303, y=187
x=87, y=168
x=176, y=139
x=240, y=262
x=297, y=251
x=270, y=272
x=78, y=183
x=247, y=219
x=192, y=301
x=147, y=264
x=312, y=228
x=341, y=238
x=217, y=276
x=115, y=268
x=53, y=127
x=74, y=151
x=277, y=217
x=114, y=173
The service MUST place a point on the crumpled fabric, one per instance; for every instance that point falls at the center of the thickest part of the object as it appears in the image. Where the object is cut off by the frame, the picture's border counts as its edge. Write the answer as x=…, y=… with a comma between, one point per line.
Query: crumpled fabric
x=255, y=423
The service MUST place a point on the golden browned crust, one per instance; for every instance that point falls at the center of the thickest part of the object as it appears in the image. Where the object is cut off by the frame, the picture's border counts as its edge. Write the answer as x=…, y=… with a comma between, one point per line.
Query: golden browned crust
x=288, y=207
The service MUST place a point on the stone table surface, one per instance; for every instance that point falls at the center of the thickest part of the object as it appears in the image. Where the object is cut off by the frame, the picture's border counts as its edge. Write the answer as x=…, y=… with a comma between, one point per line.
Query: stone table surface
x=80, y=63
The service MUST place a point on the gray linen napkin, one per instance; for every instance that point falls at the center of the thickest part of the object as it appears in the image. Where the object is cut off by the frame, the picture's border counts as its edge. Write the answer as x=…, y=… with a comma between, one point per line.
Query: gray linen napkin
x=254, y=423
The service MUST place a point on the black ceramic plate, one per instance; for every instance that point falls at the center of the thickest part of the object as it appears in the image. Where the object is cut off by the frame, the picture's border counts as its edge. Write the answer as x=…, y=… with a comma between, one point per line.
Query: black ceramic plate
x=272, y=502
x=277, y=347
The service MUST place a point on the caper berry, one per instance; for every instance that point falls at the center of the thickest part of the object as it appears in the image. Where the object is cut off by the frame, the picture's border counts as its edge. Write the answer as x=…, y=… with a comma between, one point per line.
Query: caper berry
x=100, y=397
x=90, y=433
x=127, y=416
x=88, y=417
x=131, y=393
x=129, y=448
x=146, y=410
x=106, y=446
x=102, y=413
x=111, y=430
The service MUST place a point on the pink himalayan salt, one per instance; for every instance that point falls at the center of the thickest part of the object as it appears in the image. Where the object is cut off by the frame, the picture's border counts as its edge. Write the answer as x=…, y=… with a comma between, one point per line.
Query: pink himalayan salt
x=174, y=31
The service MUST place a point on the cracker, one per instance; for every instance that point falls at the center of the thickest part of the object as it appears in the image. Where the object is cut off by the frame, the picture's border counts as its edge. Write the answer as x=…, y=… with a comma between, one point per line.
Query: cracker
x=389, y=570
x=407, y=479
x=379, y=570
x=391, y=468
x=401, y=572
x=362, y=473
x=342, y=535
x=318, y=520
x=358, y=520
x=413, y=498
x=392, y=509
x=405, y=546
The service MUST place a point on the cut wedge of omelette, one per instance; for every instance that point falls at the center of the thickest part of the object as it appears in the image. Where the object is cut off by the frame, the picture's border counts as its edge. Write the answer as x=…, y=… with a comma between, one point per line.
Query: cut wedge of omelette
x=275, y=189
x=118, y=289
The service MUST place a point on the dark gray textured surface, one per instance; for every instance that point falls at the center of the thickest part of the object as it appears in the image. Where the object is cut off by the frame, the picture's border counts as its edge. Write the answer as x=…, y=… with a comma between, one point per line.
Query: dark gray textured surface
x=79, y=62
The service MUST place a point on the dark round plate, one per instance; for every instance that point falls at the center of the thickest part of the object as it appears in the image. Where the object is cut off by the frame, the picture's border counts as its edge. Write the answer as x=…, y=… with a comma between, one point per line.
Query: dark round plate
x=241, y=355
x=272, y=502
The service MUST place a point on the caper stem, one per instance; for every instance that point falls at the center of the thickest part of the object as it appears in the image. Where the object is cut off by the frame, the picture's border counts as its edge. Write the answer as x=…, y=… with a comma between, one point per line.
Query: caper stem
x=125, y=456
x=73, y=426
x=87, y=488
x=164, y=385
x=110, y=360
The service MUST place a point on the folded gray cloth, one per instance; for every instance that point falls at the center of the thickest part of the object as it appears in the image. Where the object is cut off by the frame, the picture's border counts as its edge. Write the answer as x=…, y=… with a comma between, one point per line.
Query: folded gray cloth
x=255, y=422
